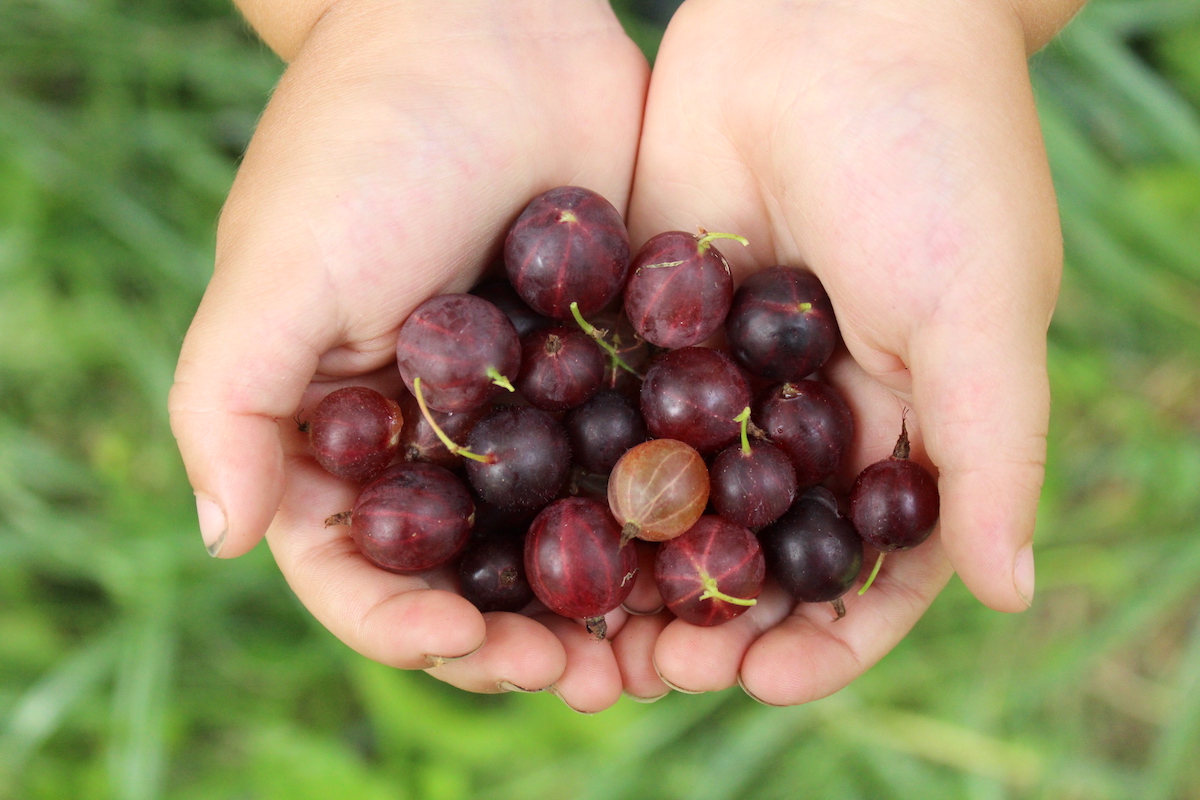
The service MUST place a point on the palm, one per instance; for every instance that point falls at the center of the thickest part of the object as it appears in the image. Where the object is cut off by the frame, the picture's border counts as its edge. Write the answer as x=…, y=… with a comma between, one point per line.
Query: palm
x=837, y=140
x=381, y=174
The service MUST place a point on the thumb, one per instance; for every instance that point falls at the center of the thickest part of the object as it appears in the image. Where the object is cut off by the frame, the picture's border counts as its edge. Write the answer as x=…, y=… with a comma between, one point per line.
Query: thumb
x=247, y=358
x=984, y=401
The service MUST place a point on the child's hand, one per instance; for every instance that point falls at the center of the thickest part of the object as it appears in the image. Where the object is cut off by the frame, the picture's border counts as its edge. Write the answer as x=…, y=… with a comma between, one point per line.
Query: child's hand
x=894, y=149
x=402, y=141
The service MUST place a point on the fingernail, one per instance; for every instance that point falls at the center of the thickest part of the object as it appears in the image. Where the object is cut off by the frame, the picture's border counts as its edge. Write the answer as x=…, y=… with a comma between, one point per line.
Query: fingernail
x=635, y=612
x=432, y=662
x=506, y=686
x=673, y=686
x=1023, y=575
x=646, y=700
x=754, y=697
x=213, y=527
x=552, y=689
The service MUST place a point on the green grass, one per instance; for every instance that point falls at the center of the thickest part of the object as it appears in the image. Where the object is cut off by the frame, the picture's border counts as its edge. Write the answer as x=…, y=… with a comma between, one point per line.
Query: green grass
x=134, y=667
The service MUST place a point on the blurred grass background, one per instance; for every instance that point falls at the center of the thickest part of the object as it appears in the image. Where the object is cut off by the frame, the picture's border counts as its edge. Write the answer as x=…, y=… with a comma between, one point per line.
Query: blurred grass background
x=134, y=667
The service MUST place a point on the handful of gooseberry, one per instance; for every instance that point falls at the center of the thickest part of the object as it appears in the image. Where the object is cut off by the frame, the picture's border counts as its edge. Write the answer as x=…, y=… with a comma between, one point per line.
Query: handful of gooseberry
x=533, y=446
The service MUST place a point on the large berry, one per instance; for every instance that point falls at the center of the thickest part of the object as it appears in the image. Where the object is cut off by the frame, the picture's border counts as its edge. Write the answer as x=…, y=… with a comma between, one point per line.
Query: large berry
x=679, y=289
x=461, y=347
x=569, y=245
x=781, y=325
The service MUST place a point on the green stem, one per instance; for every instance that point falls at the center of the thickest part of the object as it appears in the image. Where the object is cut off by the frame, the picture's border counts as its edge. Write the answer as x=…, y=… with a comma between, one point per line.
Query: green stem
x=456, y=449
x=598, y=337
x=871, y=579
x=744, y=419
x=499, y=380
x=711, y=592
x=706, y=239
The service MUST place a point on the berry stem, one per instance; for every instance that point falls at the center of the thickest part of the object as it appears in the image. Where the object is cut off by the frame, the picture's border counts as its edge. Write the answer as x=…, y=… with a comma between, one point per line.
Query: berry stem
x=499, y=380
x=871, y=578
x=456, y=449
x=598, y=336
x=629, y=531
x=597, y=627
x=902, y=447
x=711, y=592
x=839, y=606
x=706, y=239
x=744, y=419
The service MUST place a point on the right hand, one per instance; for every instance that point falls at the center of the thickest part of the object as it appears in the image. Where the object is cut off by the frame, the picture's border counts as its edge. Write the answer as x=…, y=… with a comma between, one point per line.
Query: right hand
x=397, y=148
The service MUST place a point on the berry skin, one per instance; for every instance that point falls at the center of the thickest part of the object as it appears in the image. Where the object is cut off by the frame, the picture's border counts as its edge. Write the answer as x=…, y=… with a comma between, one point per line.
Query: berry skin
x=658, y=490
x=576, y=562
x=781, y=325
x=418, y=442
x=461, y=347
x=710, y=574
x=894, y=503
x=412, y=517
x=695, y=395
x=355, y=432
x=491, y=573
x=561, y=368
x=603, y=429
x=752, y=488
x=679, y=289
x=568, y=245
x=526, y=457
x=813, y=552
x=810, y=422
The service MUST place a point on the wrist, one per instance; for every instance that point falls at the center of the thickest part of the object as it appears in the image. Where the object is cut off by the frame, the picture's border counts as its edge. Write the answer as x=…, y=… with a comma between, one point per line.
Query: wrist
x=1038, y=21
x=285, y=25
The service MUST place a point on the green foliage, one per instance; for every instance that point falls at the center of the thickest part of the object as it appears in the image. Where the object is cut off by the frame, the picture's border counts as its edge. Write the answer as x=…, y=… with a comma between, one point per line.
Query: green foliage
x=132, y=666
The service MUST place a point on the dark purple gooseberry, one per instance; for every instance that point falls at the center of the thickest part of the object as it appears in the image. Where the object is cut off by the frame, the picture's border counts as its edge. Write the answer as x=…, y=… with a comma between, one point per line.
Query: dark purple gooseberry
x=461, y=347
x=354, y=432
x=491, y=573
x=602, y=429
x=894, y=503
x=679, y=289
x=568, y=245
x=500, y=293
x=694, y=395
x=418, y=442
x=781, y=325
x=813, y=552
x=413, y=517
x=810, y=422
x=710, y=574
x=527, y=457
x=752, y=488
x=576, y=562
x=560, y=368
x=509, y=523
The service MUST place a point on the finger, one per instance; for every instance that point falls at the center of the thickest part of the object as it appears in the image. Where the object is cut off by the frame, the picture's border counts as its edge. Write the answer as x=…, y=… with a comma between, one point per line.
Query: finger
x=812, y=654
x=984, y=405
x=693, y=659
x=634, y=651
x=520, y=654
x=394, y=619
x=591, y=681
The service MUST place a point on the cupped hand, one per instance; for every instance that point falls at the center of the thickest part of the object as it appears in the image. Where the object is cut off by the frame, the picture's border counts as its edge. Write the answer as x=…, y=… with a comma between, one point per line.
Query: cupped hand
x=894, y=149
x=399, y=145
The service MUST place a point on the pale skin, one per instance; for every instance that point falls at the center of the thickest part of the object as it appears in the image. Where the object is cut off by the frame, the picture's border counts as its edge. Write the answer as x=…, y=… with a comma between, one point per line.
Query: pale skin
x=890, y=146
